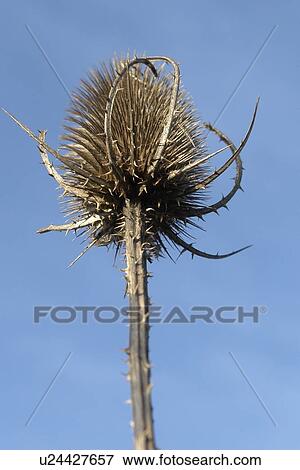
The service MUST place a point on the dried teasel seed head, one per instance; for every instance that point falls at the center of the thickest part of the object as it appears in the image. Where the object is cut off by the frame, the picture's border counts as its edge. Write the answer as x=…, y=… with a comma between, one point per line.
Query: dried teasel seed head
x=128, y=105
x=132, y=134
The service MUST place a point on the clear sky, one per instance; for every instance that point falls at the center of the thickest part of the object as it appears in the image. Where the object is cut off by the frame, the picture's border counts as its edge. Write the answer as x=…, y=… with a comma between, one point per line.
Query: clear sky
x=215, y=385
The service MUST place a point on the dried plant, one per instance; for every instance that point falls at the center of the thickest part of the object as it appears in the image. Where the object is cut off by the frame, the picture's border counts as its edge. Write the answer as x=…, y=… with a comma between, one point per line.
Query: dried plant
x=134, y=174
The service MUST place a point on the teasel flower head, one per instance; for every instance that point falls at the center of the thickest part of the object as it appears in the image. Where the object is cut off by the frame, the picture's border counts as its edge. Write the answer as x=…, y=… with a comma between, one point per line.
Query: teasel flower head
x=132, y=133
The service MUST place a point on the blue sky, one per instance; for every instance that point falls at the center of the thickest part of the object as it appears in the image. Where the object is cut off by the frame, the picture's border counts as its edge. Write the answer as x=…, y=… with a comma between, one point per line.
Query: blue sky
x=201, y=398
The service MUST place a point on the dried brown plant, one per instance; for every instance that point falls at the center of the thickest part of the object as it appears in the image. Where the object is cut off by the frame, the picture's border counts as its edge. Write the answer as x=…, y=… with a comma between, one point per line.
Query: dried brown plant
x=134, y=174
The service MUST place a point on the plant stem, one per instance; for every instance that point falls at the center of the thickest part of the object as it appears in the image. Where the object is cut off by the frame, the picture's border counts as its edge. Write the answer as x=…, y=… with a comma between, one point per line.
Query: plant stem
x=138, y=351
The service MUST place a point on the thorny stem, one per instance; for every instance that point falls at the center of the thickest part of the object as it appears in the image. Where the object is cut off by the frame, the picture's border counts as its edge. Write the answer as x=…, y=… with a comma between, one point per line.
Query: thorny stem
x=138, y=351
